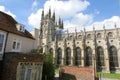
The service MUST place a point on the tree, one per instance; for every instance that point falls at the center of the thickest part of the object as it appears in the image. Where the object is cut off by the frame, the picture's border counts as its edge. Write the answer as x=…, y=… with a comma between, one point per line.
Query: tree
x=48, y=67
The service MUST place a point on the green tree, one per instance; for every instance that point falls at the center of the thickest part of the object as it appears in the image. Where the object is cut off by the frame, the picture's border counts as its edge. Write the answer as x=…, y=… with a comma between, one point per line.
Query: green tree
x=48, y=67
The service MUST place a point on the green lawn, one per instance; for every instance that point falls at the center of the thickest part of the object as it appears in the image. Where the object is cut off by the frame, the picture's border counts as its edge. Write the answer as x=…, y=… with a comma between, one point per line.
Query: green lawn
x=57, y=71
x=109, y=75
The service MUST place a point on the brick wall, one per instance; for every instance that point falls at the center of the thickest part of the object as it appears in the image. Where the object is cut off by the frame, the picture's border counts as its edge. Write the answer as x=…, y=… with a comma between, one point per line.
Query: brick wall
x=77, y=73
x=11, y=60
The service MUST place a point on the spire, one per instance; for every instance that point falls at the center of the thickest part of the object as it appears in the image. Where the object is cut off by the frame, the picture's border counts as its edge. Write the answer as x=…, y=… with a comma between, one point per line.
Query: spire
x=75, y=33
x=67, y=31
x=49, y=12
x=42, y=16
x=62, y=24
x=84, y=29
x=115, y=25
x=93, y=28
x=75, y=30
x=53, y=17
x=104, y=26
x=59, y=23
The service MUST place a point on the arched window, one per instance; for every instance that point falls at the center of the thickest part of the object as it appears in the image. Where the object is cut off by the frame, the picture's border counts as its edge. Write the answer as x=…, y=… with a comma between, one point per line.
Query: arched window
x=110, y=34
x=77, y=56
x=99, y=35
x=29, y=72
x=100, y=58
x=59, y=56
x=79, y=36
x=71, y=37
x=89, y=36
x=88, y=57
x=51, y=51
x=113, y=58
x=68, y=56
x=22, y=71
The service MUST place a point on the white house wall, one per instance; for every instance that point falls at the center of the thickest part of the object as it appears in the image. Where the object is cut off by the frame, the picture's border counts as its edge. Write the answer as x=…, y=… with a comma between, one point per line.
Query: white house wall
x=27, y=44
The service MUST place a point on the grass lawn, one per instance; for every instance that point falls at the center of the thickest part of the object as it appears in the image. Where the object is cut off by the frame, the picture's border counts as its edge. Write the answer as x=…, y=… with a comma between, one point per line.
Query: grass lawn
x=109, y=75
x=57, y=71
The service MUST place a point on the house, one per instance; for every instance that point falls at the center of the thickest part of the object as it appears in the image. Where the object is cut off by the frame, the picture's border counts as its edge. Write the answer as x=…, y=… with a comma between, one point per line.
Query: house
x=18, y=66
x=16, y=43
x=13, y=36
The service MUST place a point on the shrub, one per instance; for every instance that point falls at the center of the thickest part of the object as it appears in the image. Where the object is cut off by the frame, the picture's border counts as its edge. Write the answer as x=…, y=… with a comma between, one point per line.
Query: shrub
x=48, y=67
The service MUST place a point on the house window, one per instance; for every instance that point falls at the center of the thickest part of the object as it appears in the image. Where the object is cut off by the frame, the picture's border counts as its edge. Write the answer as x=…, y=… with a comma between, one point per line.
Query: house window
x=37, y=72
x=2, y=41
x=26, y=70
x=16, y=46
x=20, y=27
x=29, y=72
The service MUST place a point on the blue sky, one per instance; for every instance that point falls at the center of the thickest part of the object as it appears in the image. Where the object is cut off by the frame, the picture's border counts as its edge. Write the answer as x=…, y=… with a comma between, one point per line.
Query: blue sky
x=75, y=13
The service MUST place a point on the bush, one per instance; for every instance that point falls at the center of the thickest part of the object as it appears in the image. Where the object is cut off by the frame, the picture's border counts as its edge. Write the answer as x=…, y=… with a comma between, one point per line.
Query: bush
x=48, y=67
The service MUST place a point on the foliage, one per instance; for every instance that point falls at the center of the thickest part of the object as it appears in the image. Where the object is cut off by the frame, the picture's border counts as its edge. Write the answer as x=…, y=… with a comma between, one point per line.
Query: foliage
x=66, y=79
x=48, y=67
x=56, y=71
x=109, y=75
x=37, y=50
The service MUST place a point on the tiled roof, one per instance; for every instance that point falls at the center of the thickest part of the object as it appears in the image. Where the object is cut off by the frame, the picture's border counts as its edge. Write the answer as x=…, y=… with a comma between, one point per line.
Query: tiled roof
x=7, y=23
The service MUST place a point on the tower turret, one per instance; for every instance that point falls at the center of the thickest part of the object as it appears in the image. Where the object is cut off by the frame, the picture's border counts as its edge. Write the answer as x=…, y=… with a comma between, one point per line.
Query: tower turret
x=60, y=23
x=42, y=16
x=49, y=13
x=53, y=17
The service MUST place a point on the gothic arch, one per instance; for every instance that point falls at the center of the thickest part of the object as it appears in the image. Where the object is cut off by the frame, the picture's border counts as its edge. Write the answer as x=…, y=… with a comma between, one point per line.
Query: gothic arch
x=68, y=56
x=79, y=36
x=51, y=51
x=100, y=58
x=89, y=36
x=99, y=35
x=110, y=34
x=59, y=56
x=77, y=56
x=88, y=56
x=113, y=58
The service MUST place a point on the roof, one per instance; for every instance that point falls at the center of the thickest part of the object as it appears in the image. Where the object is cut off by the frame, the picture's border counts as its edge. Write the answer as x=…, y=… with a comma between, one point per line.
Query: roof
x=8, y=24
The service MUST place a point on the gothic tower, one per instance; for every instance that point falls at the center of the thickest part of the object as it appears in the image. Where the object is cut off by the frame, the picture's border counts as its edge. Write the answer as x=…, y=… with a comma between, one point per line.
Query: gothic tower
x=47, y=30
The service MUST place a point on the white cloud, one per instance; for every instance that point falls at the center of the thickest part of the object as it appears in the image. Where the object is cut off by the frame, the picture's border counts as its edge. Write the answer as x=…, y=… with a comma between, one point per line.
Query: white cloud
x=108, y=23
x=71, y=12
x=34, y=4
x=64, y=9
x=82, y=19
x=34, y=19
x=2, y=8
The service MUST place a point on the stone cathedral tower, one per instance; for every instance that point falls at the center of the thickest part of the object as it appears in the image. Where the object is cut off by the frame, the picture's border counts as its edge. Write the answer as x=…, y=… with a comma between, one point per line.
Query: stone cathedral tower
x=48, y=29
x=97, y=48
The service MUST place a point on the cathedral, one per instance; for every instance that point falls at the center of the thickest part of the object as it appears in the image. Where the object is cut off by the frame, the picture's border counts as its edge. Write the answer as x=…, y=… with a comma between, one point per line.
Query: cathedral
x=97, y=48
